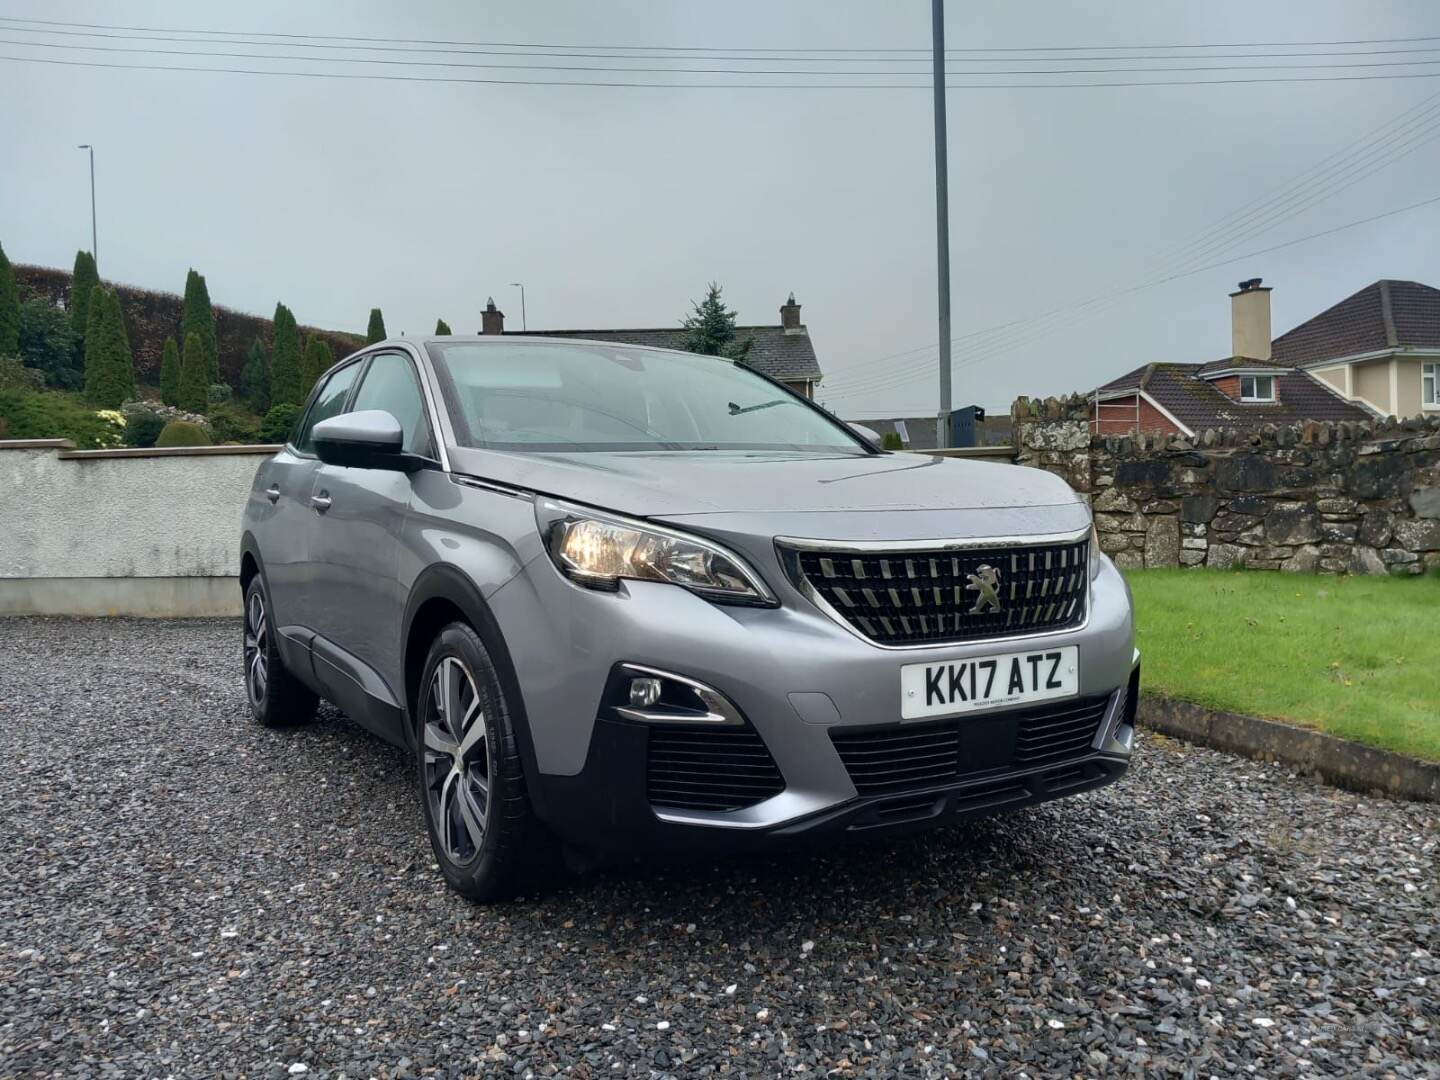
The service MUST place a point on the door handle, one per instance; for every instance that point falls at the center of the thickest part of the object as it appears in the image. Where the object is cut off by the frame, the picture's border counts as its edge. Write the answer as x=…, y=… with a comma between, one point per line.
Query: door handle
x=273, y=493
x=321, y=502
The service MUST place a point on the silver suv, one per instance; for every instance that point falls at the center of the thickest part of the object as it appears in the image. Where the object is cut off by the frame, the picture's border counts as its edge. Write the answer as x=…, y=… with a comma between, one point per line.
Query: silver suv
x=633, y=600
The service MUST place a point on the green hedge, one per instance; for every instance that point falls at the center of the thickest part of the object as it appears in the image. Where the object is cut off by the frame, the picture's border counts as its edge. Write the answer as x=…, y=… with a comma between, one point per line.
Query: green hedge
x=183, y=433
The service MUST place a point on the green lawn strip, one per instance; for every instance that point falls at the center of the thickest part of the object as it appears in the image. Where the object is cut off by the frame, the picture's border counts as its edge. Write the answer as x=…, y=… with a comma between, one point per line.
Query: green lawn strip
x=1358, y=657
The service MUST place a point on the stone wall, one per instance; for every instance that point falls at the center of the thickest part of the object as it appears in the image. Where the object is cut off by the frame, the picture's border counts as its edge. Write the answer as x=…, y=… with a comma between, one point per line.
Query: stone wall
x=1360, y=498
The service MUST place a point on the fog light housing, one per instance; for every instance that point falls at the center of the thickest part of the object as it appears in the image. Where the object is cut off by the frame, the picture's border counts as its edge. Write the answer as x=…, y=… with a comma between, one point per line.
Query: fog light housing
x=644, y=691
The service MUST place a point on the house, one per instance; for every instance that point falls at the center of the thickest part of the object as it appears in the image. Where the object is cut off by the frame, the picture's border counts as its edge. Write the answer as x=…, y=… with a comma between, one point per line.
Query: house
x=1254, y=386
x=1380, y=347
x=783, y=352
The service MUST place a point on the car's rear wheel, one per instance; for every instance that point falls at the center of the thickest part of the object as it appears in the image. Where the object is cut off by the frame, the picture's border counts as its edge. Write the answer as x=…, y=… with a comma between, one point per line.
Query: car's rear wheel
x=482, y=830
x=276, y=697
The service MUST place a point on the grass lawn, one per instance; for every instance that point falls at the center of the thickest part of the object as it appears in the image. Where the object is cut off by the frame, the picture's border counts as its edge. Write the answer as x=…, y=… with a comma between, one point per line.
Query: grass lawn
x=1358, y=657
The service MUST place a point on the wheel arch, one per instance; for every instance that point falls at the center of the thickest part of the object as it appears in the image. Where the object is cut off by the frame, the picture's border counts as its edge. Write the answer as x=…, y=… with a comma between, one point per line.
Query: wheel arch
x=250, y=561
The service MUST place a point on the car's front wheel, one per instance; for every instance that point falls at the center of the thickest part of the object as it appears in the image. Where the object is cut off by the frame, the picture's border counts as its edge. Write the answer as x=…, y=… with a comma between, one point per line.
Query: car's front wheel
x=481, y=827
x=276, y=697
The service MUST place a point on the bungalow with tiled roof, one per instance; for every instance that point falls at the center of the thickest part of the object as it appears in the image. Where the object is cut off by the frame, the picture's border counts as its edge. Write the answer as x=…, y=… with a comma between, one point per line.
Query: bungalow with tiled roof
x=782, y=352
x=1256, y=385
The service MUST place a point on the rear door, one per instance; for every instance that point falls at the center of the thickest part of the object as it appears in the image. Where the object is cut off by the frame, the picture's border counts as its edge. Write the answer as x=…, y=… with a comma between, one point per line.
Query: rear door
x=355, y=533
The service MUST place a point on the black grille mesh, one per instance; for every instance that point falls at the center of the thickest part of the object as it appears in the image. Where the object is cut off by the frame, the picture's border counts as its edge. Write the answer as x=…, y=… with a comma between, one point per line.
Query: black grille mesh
x=884, y=761
x=709, y=768
x=900, y=597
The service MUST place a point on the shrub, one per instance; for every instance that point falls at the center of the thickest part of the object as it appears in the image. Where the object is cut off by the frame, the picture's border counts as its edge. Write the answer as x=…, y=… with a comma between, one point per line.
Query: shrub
x=318, y=359
x=183, y=433
x=109, y=365
x=286, y=385
x=891, y=441
x=442, y=327
x=255, y=378
x=376, y=330
x=14, y=375
x=9, y=308
x=194, y=375
x=143, y=428
x=48, y=344
x=278, y=423
x=170, y=373
x=52, y=415
x=218, y=394
x=229, y=424
x=83, y=280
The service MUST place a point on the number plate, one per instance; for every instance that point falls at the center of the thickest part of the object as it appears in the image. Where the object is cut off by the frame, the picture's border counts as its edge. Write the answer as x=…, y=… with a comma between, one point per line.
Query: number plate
x=949, y=687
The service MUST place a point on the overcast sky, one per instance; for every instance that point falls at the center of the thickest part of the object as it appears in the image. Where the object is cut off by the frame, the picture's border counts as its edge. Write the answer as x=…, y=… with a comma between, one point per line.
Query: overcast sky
x=615, y=206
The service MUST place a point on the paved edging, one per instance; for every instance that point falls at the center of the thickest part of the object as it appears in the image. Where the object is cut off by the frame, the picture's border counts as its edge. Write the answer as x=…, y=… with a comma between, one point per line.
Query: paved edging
x=1338, y=761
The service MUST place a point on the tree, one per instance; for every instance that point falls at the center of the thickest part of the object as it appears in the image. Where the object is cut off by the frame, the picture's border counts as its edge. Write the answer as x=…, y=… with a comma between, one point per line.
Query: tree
x=255, y=378
x=711, y=328
x=376, y=331
x=198, y=318
x=194, y=376
x=170, y=373
x=318, y=359
x=442, y=327
x=9, y=309
x=286, y=384
x=109, y=364
x=83, y=279
x=48, y=344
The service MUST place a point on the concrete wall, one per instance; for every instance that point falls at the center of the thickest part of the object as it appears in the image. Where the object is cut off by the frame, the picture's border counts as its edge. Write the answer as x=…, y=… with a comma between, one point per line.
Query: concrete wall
x=136, y=532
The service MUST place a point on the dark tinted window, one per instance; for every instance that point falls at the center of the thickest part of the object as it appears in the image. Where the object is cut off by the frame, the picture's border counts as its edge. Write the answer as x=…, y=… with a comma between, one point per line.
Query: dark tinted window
x=390, y=384
x=329, y=402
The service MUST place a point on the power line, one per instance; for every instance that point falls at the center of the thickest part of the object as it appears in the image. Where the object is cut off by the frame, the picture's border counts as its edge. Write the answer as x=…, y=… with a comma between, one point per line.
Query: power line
x=458, y=80
x=145, y=50
x=715, y=48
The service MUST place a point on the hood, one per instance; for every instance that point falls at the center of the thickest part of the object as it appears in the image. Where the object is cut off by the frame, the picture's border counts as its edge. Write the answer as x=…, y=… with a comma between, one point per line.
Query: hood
x=691, y=483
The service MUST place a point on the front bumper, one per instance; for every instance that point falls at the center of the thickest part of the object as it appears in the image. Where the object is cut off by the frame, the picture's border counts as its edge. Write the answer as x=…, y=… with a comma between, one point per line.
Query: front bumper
x=798, y=678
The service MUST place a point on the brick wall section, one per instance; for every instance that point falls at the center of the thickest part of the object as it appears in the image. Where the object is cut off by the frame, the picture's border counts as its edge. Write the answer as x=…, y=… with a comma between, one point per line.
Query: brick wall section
x=151, y=317
x=1359, y=498
x=1118, y=418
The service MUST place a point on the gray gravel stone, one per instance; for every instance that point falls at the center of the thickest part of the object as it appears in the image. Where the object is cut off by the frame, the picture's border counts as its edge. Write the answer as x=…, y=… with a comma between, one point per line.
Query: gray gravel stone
x=183, y=893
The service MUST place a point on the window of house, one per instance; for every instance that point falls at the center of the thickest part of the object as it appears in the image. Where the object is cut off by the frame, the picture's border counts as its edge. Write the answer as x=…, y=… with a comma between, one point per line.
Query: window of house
x=1257, y=387
x=1430, y=385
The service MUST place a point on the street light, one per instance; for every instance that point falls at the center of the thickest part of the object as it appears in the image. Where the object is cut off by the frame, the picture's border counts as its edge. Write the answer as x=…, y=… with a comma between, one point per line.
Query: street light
x=524, y=323
x=94, y=240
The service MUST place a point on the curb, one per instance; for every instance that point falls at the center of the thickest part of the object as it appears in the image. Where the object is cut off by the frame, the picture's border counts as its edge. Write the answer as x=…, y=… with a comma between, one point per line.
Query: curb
x=1337, y=761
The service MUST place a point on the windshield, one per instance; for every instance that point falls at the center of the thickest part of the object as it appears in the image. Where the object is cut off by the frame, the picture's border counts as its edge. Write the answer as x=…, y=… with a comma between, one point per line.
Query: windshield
x=540, y=396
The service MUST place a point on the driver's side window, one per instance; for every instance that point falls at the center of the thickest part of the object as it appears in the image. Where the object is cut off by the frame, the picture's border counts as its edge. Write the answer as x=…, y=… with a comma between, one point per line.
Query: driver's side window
x=330, y=401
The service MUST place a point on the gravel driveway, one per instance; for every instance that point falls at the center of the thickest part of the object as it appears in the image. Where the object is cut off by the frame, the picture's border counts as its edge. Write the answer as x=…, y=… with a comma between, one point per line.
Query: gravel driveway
x=183, y=893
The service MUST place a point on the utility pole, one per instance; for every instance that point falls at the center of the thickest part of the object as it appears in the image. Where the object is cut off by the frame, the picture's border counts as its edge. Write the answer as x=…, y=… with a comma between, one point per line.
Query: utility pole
x=94, y=240
x=942, y=218
x=524, y=322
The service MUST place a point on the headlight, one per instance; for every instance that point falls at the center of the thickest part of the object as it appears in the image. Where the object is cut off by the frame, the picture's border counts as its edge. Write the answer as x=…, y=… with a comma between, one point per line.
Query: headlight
x=598, y=551
x=1095, y=552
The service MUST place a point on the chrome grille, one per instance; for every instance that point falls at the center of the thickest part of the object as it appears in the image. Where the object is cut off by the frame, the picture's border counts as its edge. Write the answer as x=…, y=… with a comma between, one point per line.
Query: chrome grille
x=922, y=597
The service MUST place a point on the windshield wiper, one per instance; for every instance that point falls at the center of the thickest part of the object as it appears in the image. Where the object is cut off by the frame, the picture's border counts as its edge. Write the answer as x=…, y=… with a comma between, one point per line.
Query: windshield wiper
x=736, y=410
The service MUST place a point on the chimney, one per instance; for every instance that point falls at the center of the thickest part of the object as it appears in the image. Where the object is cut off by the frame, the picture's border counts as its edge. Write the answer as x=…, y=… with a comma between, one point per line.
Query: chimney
x=1250, y=320
x=790, y=316
x=492, y=319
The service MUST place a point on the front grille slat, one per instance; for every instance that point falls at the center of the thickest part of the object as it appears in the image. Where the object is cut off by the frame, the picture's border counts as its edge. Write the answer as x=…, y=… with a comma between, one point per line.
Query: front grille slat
x=948, y=599
x=883, y=761
x=718, y=769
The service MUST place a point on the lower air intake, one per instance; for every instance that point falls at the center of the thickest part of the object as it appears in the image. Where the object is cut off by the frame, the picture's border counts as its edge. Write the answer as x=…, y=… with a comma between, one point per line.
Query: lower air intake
x=709, y=768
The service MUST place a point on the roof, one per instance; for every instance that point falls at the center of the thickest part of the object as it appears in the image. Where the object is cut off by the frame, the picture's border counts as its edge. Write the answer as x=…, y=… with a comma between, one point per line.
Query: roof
x=789, y=357
x=1386, y=315
x=1239, y=363
x=1199, y=404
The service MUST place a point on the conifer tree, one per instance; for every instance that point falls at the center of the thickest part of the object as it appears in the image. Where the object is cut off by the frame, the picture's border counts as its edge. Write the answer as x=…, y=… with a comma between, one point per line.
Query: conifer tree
x=194, y=375
x=255, y=378
x=199, y=318
x=318, y=359
x=376, y=330
x=442, y=327
x=286, y=385
x=170, y=373
x=9, y=309
x=83, y=279
x=711, y=327
x=109, y=364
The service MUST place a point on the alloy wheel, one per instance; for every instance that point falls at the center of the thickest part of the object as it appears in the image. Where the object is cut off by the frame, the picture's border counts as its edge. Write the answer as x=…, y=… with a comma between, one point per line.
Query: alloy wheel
x=457, y=760
x=257, y=646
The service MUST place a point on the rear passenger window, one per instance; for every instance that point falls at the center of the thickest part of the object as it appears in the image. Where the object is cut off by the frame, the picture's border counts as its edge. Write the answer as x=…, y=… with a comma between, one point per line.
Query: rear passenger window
x=330, y=401
x=390, y=385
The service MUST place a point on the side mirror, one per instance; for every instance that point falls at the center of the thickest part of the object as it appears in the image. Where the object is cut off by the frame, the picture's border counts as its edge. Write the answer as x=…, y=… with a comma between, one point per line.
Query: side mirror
x=371, y=439
x=870, y=435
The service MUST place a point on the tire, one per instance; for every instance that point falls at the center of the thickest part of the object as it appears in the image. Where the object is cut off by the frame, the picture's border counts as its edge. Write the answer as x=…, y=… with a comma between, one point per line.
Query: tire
x=277, y=698
x=472, y=786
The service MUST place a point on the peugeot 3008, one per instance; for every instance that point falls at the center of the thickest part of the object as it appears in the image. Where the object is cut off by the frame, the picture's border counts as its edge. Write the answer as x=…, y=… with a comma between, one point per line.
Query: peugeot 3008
x=635, y=600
